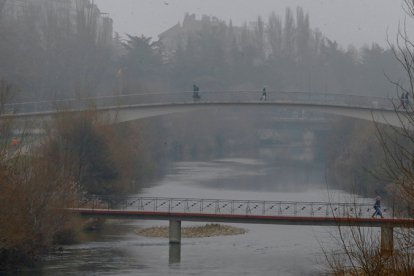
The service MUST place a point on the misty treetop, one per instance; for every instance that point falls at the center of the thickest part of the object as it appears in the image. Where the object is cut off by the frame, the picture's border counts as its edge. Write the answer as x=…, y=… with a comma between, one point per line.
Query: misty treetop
x=66, y=49
x=54, y=49
x=281, y=54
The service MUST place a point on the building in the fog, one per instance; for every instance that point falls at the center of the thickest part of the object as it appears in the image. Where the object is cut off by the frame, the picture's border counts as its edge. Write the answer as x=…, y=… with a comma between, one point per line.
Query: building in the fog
x=177, y=36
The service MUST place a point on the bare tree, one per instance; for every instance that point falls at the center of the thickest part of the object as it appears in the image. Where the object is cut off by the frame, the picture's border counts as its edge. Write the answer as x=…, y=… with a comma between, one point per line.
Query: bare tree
x=398, y=142
x=359, y=252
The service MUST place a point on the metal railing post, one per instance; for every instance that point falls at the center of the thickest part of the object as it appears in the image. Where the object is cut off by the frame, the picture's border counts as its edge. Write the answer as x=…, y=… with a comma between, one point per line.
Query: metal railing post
x=344, y=210
x=248, y=208
x=311, y=210
x=264, y=208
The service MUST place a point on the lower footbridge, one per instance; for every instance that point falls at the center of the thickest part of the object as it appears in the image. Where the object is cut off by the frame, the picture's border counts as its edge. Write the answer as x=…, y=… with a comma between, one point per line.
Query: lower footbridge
x=176, y=210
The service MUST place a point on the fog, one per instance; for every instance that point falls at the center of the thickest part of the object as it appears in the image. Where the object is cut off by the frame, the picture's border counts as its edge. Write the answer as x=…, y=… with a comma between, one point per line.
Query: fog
x=356, y=22
x=74, y=48
x=107, y=54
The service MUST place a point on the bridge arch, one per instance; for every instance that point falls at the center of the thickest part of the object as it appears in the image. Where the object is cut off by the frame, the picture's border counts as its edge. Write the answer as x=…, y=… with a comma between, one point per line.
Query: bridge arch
x=136, y=112
x=125, y=108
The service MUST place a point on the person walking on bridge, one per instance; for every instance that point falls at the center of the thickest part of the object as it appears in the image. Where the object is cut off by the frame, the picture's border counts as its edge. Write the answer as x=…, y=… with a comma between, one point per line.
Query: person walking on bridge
x=196, y=95
x=264, y=94
x=406, y=100
x=377, y=207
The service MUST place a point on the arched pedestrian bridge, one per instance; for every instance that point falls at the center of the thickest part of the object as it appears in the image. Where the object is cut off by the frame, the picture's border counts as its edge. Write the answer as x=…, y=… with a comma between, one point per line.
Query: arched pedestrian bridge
x=176, y=210
x=137, y=106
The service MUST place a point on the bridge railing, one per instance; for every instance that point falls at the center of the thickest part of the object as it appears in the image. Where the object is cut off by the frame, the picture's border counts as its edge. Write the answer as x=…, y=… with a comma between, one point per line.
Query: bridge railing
x=159, y=98
x=234, y=207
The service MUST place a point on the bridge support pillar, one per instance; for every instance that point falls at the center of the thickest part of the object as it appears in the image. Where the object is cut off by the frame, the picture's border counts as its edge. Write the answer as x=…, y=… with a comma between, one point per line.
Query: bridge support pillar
x=175, y=231
x=174, y=254
x=387, y=239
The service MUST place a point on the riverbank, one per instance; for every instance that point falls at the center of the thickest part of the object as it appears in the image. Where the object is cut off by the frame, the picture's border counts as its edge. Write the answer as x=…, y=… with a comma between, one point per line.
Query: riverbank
x=208, y=230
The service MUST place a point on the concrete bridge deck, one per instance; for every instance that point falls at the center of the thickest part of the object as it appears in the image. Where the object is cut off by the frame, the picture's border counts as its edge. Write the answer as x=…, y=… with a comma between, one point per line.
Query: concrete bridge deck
x=138, y=106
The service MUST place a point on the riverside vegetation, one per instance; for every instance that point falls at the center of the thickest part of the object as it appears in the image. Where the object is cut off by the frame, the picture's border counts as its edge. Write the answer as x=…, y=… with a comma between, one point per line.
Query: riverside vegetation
x=76, y=157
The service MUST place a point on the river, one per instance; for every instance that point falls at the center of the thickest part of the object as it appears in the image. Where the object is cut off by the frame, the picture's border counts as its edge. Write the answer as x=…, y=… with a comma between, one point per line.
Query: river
x=263, y=250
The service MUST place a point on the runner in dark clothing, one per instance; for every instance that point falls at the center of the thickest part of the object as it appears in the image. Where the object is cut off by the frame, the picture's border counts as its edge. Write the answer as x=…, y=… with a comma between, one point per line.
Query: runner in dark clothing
x=377, y=207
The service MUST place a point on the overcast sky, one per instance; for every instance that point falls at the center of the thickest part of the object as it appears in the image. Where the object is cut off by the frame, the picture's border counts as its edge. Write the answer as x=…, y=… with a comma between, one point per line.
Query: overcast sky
x=357, y=22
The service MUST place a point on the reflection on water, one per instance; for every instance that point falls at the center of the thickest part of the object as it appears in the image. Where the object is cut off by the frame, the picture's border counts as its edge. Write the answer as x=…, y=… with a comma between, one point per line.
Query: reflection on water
x=263, y=250
x=229, y=177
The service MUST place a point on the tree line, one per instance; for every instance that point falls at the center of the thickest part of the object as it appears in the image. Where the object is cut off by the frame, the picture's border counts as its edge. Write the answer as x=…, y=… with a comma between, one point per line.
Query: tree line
x=53, y=49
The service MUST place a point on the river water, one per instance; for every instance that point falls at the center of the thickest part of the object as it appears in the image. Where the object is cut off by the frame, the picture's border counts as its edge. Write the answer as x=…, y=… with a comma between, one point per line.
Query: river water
x=263, y=250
